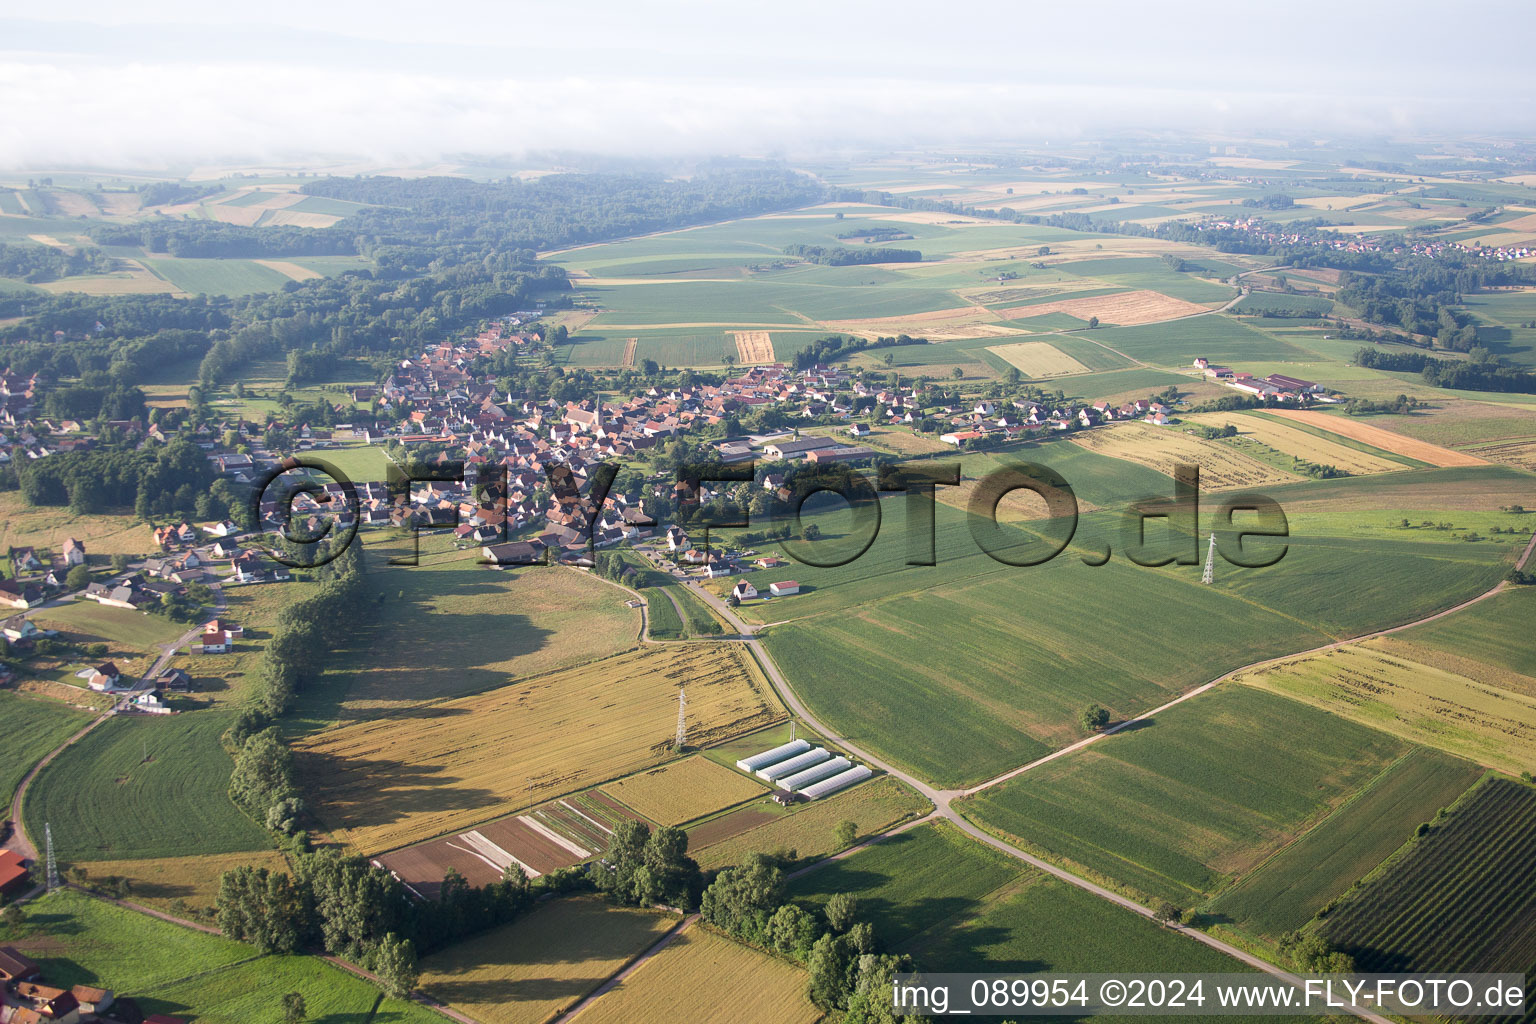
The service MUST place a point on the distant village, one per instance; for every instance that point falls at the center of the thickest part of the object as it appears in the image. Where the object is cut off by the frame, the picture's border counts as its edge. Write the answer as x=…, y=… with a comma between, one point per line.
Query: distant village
x=438, y=402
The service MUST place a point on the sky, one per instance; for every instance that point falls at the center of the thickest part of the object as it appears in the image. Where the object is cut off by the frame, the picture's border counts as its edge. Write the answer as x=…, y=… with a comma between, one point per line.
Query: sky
x=162, y=83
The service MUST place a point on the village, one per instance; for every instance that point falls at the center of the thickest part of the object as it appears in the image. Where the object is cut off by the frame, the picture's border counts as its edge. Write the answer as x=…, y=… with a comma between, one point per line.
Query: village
x=26, y=997
x=524, y=496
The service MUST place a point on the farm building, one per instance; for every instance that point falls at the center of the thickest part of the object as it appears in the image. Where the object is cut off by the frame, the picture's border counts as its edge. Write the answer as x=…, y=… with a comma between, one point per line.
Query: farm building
x=777, y=754
x=13, y=877
x=815, y=773
x=842, y=780
x=784, y=588
x=797, y=763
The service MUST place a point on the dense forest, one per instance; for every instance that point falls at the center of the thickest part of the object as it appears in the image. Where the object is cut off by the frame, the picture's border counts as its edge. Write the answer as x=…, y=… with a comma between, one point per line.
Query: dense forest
x=36, y=263
x=1482, y=372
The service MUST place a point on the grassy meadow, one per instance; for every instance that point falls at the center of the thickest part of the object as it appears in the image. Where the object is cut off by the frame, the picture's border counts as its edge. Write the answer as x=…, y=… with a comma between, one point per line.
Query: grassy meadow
x=45, y=724
x=143, y=787
x=167, y=969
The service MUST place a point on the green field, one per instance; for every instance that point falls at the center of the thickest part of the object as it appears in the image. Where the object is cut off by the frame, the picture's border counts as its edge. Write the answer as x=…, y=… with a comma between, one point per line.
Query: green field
x=1177, y=807
x=1042, y=924
x=45, y=724
x=1137, y=383
x=134, y=629
x=1496, y=631
x=901, y=634
x=1462, y=898
x=1287, y=890
x=253, y=992
x=1258, y=302
x=217, y=276
x=106, y=802
x=1216, y=337
x=1148, y=272
x=77, y=940
x=911, y=881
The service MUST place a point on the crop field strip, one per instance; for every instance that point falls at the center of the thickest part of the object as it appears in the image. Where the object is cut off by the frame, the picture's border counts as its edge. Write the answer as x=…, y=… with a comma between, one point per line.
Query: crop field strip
x=1162, y=448
x=532, y=970
x=384, y=783
x=1376, y=684
x=1385, y=439
x=683, y=790
x=1178, y=808
x=1462, y=898
x=911, y=881
x=1038, y=359
x=1290, y=441
x=1284, y=892
x=686, y=981
x=883, y=621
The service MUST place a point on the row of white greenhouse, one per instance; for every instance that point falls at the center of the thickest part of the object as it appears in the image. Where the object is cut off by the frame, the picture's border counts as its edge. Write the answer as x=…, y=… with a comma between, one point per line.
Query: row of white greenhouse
x=800, y=768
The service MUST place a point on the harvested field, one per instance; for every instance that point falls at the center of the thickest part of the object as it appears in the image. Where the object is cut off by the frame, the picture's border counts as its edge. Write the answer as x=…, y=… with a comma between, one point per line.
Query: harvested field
x=1038, y=359
x=1398, y=444
x=1299, y=443
x=298, y=219
x=1161, y=449
x=292, y=270
x=754, y=346
x=1124, y=309
x=684, y=790
x=629, y=351
x=419, y=772
x=536, y=968
x=685, y=980
x=1510, y=453
x=1373, y=683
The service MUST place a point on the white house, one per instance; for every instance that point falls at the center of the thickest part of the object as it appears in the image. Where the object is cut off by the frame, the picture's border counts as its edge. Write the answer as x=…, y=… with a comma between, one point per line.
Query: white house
x=784, y=588
x=743, y=591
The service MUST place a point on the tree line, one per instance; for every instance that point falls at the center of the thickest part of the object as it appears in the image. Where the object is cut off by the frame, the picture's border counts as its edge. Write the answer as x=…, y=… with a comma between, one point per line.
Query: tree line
x=843, y=256
x=1482, y=372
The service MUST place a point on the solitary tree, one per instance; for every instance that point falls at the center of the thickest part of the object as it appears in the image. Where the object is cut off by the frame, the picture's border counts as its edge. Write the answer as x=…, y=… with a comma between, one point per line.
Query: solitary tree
x=395, y=964
x=845, y=833
x=1093, y=718
x=1166, y=912
x=294, y=1008
x=1093, y=322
